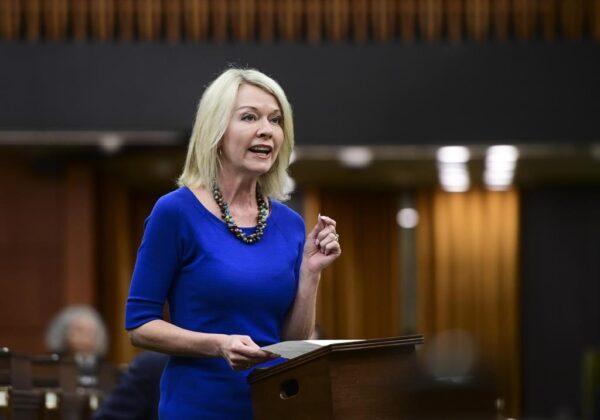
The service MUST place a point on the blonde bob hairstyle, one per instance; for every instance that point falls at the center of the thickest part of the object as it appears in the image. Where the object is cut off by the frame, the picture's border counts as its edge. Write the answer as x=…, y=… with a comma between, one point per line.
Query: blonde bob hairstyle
x=202, y=163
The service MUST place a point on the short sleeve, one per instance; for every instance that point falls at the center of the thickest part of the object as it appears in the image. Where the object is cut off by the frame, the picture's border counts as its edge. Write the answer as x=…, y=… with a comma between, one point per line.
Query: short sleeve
x=300, y=230
x=156, y=265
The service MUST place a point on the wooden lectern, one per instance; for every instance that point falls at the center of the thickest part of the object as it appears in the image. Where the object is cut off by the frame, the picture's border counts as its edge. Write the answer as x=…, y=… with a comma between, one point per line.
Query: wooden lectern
x=356, y=380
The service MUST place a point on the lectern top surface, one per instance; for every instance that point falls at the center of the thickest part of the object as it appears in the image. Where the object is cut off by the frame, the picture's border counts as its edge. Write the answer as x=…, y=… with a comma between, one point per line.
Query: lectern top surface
x=344, y=345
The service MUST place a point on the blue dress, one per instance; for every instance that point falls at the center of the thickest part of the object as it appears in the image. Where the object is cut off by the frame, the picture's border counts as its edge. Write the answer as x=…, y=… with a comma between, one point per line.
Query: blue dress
x=214, y=283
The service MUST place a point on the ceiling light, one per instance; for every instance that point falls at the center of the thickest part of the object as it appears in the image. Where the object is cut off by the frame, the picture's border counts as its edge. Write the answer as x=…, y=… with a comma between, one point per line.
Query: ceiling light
x=356, y=156
x=453, y=154
x=407, y=218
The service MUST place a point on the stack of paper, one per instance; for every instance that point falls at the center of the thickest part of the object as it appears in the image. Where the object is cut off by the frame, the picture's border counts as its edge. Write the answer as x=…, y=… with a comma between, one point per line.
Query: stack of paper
x=291, y=349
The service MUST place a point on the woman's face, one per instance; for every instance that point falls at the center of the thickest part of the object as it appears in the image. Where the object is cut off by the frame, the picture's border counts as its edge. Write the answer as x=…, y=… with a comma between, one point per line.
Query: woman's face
x=82, y=335
x=254, y=135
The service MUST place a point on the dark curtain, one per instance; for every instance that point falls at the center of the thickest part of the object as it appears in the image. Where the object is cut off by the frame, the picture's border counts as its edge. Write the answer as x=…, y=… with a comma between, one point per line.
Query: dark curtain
x=560, y=295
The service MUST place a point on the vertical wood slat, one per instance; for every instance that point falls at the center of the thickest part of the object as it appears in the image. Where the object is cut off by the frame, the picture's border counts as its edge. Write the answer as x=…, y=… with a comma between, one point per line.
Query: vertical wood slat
x=359, y=20
x=383, y=13
x=595, y=20
x=478, y=19
x=172, y=11
x=55, y=19
x=337, y=18
x=32, y=13
x=524, y=17
x=126, y=19
x=430, y=19
x=548, y=21
x=219, y=20
x=148, y=15
x=243, y=14
x=10, y=19
x=266, y=20
x=196, y=19
x=103, y=19
x=572, y=19
x=407, y=11
x=79, y=19
x=314, y=21
x=501, y=19
x=289, y=19
x=78, y=247
x=117, y=265
x=454, y=11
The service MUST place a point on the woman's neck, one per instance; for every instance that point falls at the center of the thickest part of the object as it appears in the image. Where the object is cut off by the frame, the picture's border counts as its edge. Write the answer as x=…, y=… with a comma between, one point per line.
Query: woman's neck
x=237, y=191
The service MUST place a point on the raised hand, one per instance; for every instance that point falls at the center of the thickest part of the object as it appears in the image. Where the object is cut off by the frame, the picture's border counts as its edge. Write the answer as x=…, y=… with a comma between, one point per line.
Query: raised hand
x=322, y=245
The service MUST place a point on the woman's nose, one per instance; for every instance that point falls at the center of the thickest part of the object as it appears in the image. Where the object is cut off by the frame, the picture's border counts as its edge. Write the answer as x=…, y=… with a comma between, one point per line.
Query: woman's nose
x=265, y=129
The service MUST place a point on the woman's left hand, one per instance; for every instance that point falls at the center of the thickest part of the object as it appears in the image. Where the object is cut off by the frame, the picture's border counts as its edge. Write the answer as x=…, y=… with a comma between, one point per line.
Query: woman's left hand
x=322, y=245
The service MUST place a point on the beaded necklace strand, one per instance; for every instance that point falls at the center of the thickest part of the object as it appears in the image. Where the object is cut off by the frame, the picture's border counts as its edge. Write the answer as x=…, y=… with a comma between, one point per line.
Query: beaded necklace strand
x=261, y=219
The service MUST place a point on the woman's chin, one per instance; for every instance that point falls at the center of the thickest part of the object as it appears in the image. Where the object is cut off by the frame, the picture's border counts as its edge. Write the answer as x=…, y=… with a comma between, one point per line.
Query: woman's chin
x=258, y=168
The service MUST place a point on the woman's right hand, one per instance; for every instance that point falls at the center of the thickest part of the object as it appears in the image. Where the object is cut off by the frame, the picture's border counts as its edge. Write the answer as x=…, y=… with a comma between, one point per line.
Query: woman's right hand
x=242, y=353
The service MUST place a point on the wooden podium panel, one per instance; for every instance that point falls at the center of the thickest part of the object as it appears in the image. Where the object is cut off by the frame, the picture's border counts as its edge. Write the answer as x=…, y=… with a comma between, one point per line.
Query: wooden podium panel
x=356, y=380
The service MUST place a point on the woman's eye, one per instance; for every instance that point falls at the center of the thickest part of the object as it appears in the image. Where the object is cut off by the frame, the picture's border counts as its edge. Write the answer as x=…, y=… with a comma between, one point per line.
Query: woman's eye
x=276, y=120
x=248, y=117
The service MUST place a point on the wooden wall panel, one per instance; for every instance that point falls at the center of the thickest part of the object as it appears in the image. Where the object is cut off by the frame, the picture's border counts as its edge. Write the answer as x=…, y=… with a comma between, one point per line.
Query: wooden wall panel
x=10, y=19
x=407, y=11
x=31, y=252
x=196, y=19
x=103, y=19
x=455, y=19
x=359, y=10
x=172, y=20
x=337, y=18
x=79, y=244
x=289, y=19
x=32, y=14
x=46, y=247
x=55, y=14
x=79, y=14
x=219, y=20
x=298, y=20
x=468, y=258
x=358, y=294
x=116, y=264
x=314, y=21
x=525, y=18
x=478, y=19
x=548, y=15
x=501, y=19
x=430, y=19
x=243, y=19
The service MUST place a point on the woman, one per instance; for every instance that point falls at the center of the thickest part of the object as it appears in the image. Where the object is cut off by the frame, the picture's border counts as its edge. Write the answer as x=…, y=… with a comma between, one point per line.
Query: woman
x=234, y=264
x=78, y=332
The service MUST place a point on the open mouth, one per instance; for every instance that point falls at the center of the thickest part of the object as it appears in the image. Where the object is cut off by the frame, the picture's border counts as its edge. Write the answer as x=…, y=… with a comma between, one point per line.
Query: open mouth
x=261, y=151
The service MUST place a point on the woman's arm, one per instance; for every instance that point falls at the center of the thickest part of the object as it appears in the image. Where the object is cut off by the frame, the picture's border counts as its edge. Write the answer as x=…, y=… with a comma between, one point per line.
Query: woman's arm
x=300, y=322
x=164, y=337
x=238, y=350
x=320, y=249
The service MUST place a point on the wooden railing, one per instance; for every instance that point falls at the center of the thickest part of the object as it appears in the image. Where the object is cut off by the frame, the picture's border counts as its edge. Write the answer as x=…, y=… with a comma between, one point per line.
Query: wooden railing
x=304, y=21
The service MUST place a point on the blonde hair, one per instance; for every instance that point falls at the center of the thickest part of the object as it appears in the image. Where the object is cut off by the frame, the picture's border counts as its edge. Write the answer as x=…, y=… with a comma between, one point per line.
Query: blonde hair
x=212, y=118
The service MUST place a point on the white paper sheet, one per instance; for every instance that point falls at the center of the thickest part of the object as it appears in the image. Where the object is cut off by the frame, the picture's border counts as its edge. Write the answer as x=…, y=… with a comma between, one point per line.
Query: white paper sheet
x=291, y=349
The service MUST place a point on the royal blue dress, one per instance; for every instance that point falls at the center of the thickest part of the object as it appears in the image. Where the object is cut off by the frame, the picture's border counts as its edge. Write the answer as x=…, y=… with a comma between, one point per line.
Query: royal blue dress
x=214, y=283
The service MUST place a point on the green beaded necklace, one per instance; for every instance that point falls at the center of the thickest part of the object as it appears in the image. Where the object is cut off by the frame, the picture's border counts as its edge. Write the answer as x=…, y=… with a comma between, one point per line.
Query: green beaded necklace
x=261, y=220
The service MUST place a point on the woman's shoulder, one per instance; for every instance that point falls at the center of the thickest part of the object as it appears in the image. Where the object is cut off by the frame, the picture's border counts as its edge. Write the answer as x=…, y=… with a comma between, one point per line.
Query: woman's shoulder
x=288, y=216
x=170, y=204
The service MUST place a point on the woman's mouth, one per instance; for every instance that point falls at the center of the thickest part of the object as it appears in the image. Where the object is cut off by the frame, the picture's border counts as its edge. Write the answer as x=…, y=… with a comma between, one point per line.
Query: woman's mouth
x=262, y=151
